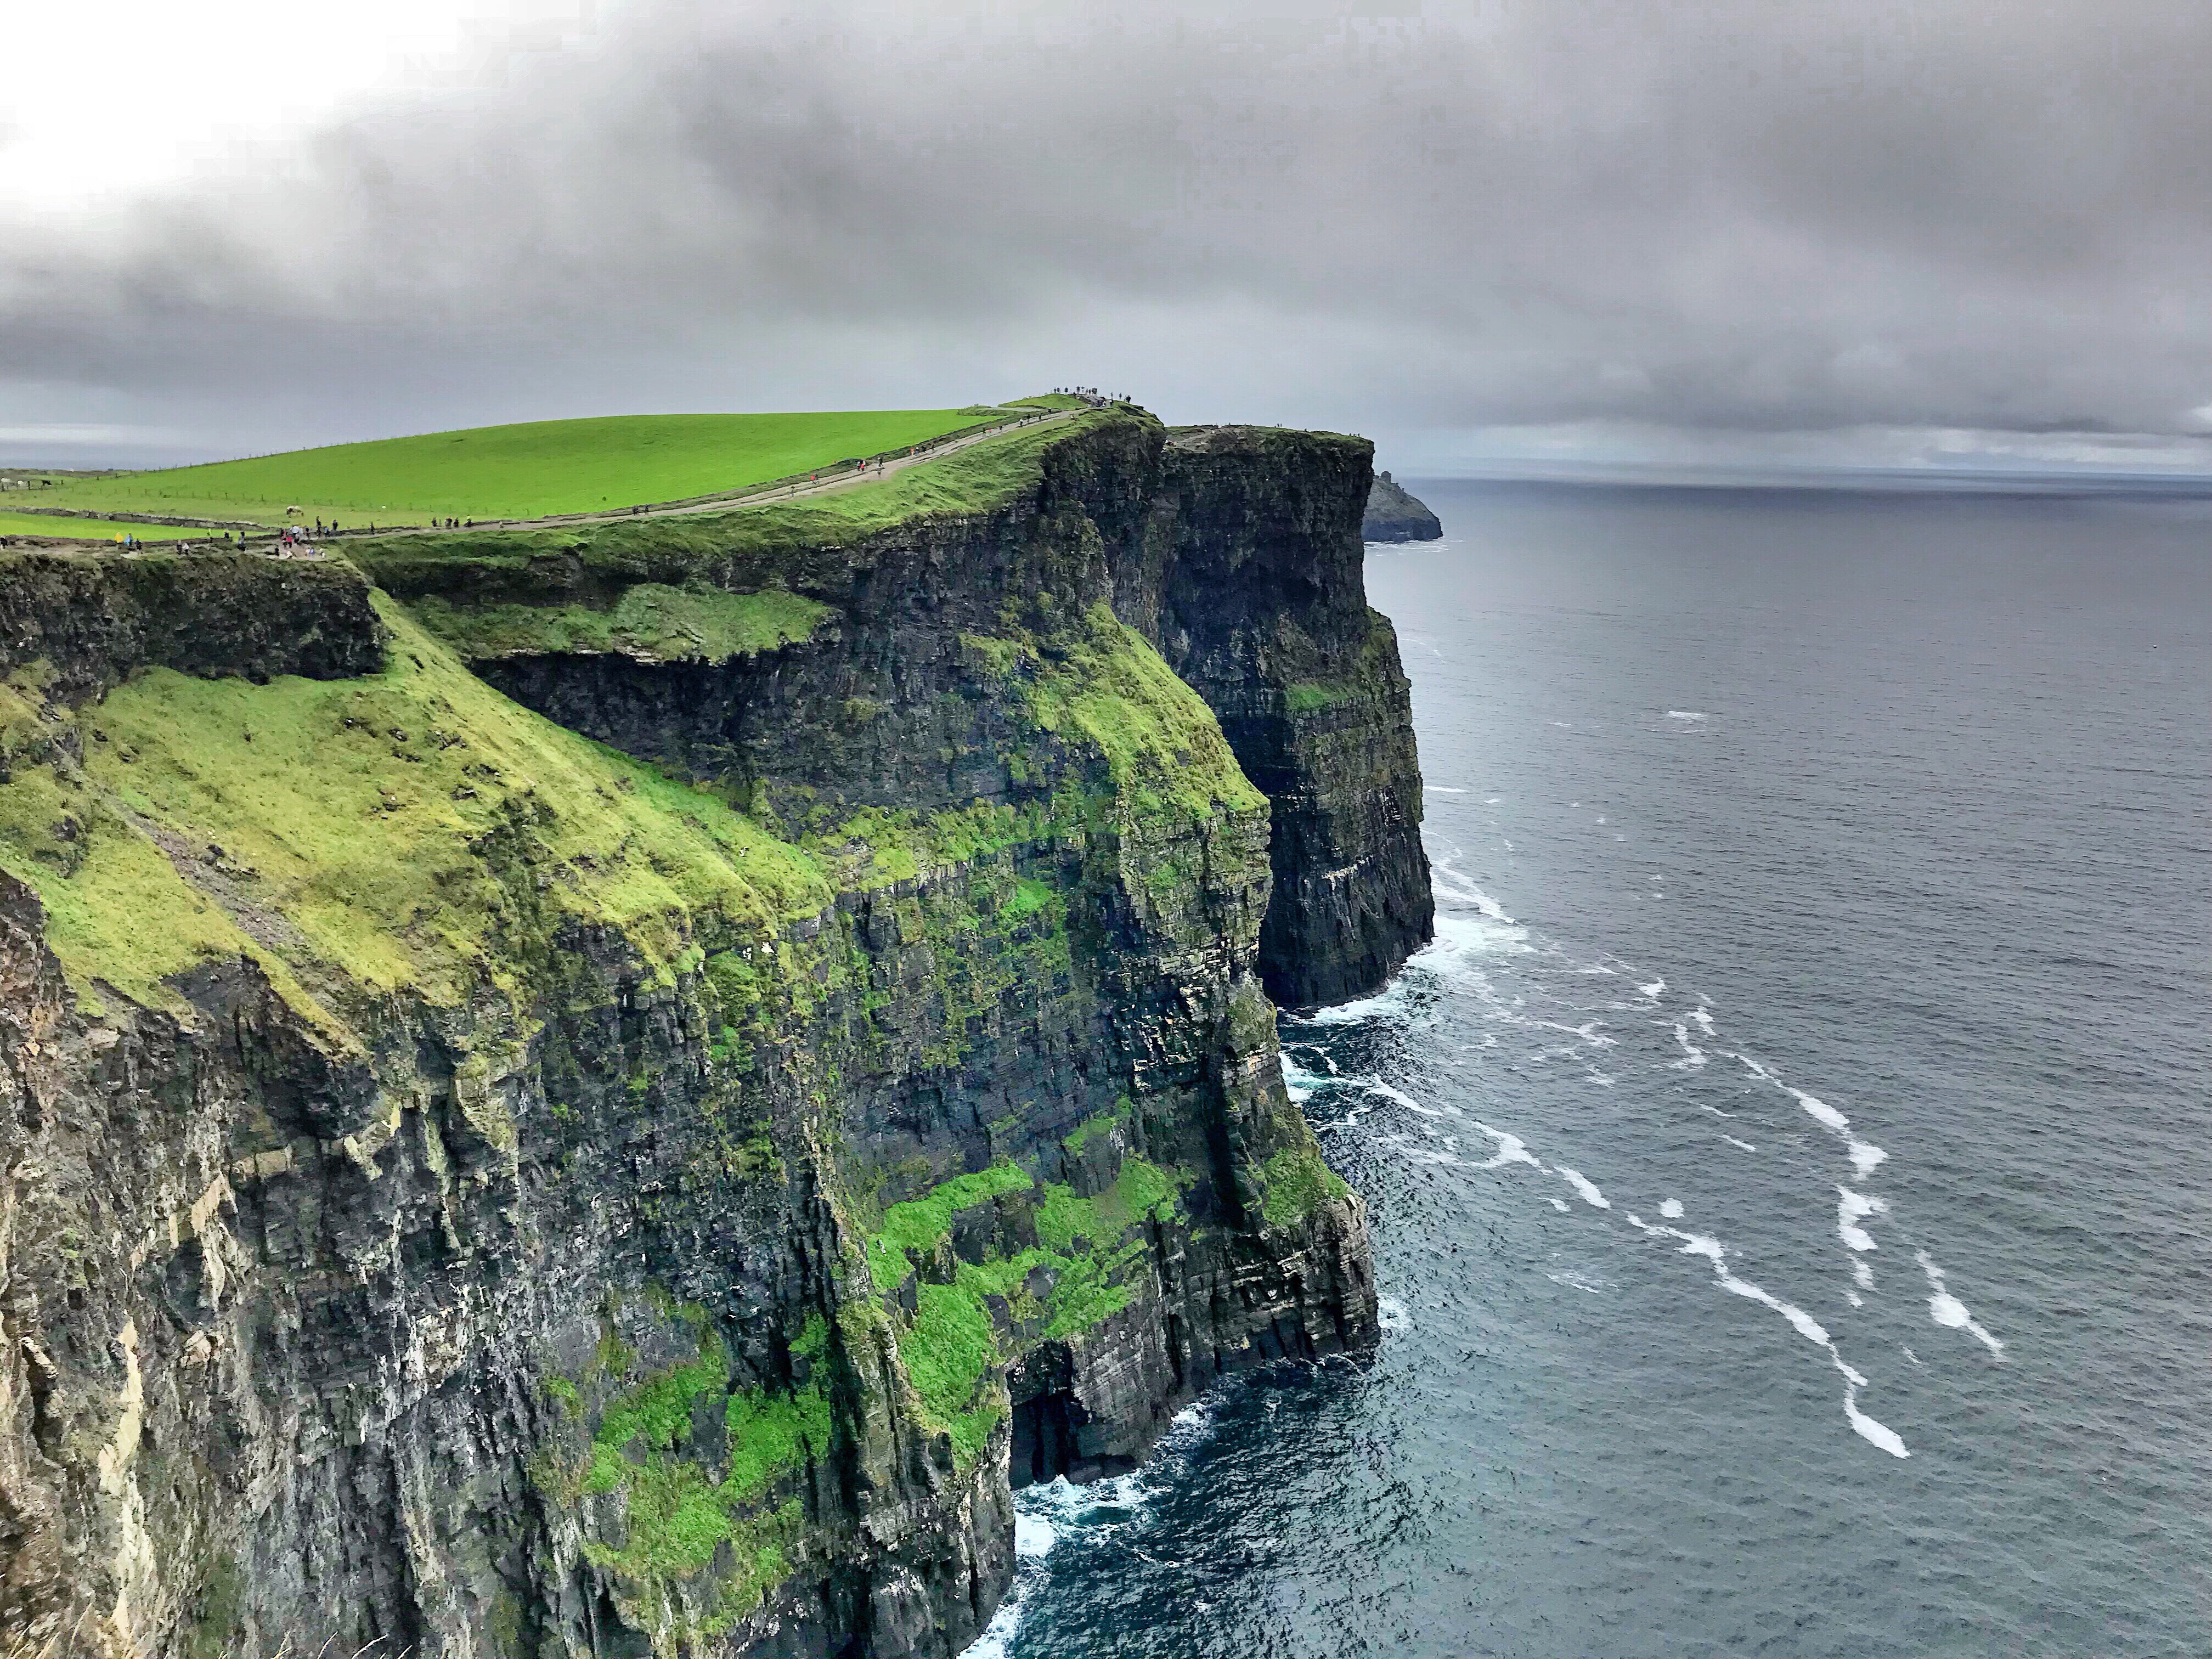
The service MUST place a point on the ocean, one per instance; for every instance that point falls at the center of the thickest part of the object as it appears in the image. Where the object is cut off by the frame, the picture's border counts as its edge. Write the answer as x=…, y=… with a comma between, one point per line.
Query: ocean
x=1791, y=1166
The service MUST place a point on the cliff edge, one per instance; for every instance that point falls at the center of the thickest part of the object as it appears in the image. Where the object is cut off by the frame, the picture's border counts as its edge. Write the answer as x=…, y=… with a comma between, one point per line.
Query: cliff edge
x=613, y=1090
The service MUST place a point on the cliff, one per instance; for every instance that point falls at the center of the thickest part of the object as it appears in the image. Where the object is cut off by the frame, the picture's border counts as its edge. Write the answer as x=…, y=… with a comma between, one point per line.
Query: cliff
x=615, y=1091
x=1394, y=514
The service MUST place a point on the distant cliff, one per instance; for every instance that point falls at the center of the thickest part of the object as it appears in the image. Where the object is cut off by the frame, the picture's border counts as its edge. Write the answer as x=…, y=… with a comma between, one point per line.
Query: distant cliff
x=1394, y=515
x=613, y=1090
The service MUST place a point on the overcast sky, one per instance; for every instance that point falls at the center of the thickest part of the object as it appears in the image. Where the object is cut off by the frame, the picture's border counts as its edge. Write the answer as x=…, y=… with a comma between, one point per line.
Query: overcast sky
x=1855, y=232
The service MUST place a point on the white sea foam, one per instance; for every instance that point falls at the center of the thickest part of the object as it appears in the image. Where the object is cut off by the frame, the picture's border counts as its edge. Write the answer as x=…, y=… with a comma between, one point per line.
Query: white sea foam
x=1390, y=1002
x=1587, y=1189
x=1439, y=789
x=1863, y=1154
x=1033, y=1536
x=1512, y=1149
x=993, y=1643
x=1558, y=1204
x=1806, y=1327
x=1687, y=714
x=1491, y=800
x=1702, y=1244
x=1693, y=1056
x=1715, y=1110
x=1704, y=1020
x=1861, y=1273
x=1852, y=1208
x=1745, y=1144
x=1946, y=1309
x=1913, y=1356
x=1299, y=1082
x=1821, y=1111
x=1577, y=1281
x=1393, y=1317
x=1376, y=1087
x=1598, y=1077
x=1671, y=1208
x=1451, y=884
x=1879, y=1434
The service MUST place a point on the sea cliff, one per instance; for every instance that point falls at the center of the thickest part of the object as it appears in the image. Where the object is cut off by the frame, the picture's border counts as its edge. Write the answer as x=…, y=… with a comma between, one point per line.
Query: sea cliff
x=617, y=1090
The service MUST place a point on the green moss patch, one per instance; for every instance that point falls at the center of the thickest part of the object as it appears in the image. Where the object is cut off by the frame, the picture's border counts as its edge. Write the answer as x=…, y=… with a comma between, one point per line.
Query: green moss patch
x=1297, y=1182
x=682, y=1512
x=650, y=622
x=1310, y=696
x=989, y=1313
x=1098, y=684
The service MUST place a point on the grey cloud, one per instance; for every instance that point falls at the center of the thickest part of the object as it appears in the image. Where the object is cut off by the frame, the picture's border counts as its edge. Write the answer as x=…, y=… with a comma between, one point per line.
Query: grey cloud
x=1727, y=216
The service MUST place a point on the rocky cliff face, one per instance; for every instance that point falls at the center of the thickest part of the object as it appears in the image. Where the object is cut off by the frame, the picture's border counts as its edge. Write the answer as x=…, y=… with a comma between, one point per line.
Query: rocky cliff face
x=1394, y=515
x=653, y=1174
x=1251, y=584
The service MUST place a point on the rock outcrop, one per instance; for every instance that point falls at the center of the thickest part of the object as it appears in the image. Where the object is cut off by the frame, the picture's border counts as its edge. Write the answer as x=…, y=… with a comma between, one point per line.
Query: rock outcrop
x=1251, y=584
x=652, y=1174
x=1394, y=514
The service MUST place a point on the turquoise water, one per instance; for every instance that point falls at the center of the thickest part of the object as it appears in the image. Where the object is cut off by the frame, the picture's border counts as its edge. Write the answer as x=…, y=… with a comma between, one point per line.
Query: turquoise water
x=1790, y=1167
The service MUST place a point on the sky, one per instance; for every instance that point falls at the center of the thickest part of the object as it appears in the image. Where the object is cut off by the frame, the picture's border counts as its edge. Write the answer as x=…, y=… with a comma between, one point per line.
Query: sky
x=1495, y=236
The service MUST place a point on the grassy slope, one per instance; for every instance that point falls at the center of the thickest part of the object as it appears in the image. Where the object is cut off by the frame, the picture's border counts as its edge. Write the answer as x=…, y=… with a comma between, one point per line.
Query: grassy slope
x=393, y=826
x=517, y=471
x=39, y=524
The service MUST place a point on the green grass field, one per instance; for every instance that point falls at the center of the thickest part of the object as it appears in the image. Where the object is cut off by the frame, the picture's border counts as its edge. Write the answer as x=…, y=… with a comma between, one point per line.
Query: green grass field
x=526, y=471
x=36, y=523
x=673, y=549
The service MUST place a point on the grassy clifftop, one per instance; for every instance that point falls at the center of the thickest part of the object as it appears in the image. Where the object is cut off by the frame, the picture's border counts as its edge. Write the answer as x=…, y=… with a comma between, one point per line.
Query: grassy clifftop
x=800, y=542
x=524, y=472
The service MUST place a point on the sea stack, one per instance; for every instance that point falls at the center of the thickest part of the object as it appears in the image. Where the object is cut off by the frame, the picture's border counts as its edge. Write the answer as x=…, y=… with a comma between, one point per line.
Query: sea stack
x=1394, y=515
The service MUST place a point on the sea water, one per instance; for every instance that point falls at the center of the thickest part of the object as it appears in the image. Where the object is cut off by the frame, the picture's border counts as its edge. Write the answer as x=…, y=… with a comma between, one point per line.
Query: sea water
x=1789, y=1166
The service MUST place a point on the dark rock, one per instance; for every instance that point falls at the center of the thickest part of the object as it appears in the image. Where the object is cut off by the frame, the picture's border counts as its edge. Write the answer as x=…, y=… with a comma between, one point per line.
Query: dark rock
x=1394, y=515
x=1251, y=584
x=97, y=618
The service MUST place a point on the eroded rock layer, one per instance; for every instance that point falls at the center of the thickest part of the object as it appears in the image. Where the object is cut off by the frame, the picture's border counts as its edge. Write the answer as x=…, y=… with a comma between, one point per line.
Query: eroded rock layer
x=650, y=1175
